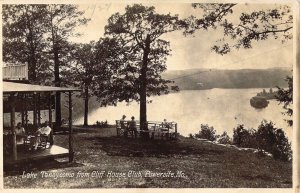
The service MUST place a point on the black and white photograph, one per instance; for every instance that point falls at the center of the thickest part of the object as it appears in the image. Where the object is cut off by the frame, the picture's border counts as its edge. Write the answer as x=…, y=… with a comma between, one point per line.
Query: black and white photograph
x=137, y=94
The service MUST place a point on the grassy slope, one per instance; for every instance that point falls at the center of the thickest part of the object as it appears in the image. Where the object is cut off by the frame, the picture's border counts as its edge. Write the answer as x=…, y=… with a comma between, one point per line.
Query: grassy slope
x=205, y=165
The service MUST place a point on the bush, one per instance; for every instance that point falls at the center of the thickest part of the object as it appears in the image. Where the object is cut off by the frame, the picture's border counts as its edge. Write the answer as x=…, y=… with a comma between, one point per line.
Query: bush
x=267, y=138
x=224, y=138
x=244, y=137
x=274, y=141
x=191, y=136
x=207, y=132
x=284, y=149
x=101, y=124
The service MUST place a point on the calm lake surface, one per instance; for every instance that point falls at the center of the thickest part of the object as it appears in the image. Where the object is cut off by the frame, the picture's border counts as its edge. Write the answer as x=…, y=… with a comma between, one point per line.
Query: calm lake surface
x=223, y=109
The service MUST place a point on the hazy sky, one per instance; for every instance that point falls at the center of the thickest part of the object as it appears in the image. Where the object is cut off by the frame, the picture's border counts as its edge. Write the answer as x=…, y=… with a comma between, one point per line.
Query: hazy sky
x=195, y=51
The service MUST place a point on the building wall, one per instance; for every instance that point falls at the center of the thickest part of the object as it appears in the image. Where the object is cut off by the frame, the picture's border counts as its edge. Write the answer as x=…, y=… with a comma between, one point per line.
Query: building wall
x=15, y=72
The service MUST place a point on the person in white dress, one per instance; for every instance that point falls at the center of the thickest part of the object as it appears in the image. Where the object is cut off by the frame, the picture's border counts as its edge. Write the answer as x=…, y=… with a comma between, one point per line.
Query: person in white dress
x=20, y=133
x=45, y=131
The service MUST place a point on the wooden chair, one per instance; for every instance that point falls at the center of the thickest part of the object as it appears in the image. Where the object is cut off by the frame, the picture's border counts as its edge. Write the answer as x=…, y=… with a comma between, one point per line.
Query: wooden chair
x=44, y=141
x=122, y=128
x=28, y=142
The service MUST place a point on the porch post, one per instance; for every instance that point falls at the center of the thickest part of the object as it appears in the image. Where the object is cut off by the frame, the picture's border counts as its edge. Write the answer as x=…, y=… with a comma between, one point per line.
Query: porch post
x=22, y=111
x=39, y=109
x=26, y=111
x=13, y=125
x=34, y=110
x=71, y=153
x=50, y=118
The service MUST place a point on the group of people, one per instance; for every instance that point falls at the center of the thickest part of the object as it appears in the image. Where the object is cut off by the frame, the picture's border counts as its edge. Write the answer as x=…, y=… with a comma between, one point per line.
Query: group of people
x=130, y=127
x=45, y=130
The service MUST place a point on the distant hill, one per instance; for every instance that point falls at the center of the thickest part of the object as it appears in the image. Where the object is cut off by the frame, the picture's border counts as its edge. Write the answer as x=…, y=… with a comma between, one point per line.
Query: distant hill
x=246, y=78
x=199, y=79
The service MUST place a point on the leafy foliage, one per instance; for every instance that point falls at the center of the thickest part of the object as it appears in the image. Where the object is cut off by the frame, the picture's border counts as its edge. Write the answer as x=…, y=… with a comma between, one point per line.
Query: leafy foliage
x=273, y=140
x=224, y=138
x=92, y=68
x=23, y=30
x=285, y=96
x=139, y=31
x=267, y=138
x=61, y=22
x=243, y=137
x=40, y=34
x=207, y=132
x=131, y=30
x=254, y=26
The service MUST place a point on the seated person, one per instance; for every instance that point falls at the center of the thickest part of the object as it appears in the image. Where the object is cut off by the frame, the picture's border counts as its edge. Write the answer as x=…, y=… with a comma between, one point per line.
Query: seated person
x=165, y=125
x=122, y=121
x=132, y=126
x=43, y=131
x=120, y=125
x=20, y=134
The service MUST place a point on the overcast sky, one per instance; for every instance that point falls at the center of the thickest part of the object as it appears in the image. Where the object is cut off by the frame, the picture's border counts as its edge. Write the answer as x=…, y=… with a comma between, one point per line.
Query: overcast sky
x=195, y=51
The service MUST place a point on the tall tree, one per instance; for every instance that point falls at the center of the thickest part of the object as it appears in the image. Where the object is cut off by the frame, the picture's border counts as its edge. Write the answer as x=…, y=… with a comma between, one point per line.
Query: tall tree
x=40, y=34
x=140, y=29
x=61, y=21
x=90, y=69
x=23, y=30
x=84, y=71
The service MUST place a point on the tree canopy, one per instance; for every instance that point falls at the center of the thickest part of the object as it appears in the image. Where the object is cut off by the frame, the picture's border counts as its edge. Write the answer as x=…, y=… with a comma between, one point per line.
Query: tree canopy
x=251, y=26
x=23, y=30
x=92, y=68
x=40, y=33
x=139, y=30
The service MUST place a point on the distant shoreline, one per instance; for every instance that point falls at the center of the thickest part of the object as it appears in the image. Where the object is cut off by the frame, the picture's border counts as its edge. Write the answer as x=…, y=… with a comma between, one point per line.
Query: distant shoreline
x=200, y=79
x=93, y=104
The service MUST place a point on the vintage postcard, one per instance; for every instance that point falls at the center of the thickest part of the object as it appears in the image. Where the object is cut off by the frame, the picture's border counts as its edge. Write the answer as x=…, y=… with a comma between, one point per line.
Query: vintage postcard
x=176, y=95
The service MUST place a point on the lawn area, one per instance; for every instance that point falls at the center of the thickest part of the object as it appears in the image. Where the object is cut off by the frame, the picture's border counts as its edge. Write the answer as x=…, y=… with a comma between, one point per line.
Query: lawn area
x=193, y=163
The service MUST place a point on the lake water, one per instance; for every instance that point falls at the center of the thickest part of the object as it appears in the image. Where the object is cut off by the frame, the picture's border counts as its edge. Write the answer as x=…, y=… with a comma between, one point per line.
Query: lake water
x=223, y=109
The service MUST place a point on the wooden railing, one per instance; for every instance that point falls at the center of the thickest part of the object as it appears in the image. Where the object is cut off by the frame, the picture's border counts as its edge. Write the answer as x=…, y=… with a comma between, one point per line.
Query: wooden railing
x=167, y=130
x=15, y=72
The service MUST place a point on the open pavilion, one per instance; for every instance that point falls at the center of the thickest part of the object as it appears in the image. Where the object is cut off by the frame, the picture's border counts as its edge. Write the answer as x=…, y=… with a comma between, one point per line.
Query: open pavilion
x=21, y=98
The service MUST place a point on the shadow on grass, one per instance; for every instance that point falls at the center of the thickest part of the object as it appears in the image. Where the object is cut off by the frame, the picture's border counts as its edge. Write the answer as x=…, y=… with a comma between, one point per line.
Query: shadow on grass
x=132, y=147
x=38, y=165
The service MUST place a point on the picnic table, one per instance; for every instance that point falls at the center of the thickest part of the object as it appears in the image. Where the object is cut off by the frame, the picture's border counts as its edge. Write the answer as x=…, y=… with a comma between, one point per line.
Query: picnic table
x=156, y=130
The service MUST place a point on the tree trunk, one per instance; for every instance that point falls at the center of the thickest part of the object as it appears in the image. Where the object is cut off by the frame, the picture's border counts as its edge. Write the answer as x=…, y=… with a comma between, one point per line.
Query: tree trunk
x=56, y=73
x=143, y=89
x=13, y=125
x=86, y=105
x=32, y=68
x=34, y=110
x=57, y=83
x=32, y=63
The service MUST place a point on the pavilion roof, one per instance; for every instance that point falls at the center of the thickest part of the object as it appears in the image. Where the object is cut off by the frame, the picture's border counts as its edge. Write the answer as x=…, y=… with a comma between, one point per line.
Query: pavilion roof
x=12, y=87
